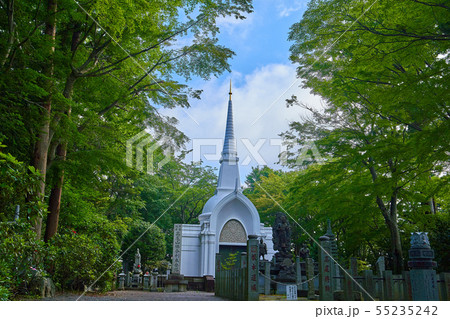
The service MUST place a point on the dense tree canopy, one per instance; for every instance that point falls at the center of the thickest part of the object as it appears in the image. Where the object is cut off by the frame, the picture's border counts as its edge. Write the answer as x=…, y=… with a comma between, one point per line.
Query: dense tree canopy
x=383, y=72
x=78, y=79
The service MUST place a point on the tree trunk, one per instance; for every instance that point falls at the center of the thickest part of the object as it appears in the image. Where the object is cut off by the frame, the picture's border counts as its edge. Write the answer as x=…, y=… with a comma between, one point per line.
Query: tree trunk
x=396, y=246
x=11, y=31
x=43, y=139
x=390, y=217
x=54, y=204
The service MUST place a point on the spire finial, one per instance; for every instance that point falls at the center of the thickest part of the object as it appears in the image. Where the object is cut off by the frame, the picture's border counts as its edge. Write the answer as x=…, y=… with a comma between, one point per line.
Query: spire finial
x=229, y=146
x=329, y=231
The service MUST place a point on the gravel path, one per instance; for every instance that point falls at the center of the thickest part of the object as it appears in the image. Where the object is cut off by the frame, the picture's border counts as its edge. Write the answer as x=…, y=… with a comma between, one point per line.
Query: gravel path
x=140, y=295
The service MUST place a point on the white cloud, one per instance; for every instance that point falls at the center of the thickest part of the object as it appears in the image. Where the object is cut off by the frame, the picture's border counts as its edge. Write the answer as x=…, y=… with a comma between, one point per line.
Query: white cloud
x=286, y=8
x=257, y=97
x=239, y=28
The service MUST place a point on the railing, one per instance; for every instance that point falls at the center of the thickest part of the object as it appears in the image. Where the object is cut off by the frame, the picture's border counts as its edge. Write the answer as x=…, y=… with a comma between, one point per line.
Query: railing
x=389, y=287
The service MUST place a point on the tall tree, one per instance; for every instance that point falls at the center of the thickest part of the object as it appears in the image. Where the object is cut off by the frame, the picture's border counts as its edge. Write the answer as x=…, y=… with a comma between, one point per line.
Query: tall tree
x=41, y=146
x=109, y=62
x=382, y=69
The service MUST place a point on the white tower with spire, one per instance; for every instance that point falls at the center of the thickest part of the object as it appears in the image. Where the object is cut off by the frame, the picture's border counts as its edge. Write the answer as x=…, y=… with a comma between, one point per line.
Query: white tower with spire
x=227, y=218
x=229, y=178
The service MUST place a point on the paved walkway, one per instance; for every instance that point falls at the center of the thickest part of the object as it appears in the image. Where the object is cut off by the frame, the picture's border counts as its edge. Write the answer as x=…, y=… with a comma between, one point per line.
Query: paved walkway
x=140, y=295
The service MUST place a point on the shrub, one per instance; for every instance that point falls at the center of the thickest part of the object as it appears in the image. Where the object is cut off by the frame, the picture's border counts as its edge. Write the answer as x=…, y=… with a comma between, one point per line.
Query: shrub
x=20, y=254
x=81, y=259
x=19, y=185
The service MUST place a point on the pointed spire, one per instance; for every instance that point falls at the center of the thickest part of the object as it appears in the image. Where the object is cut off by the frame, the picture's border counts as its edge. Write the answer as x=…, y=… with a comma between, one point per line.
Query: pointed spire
x=229, y=179
x=329, y=232
x=229, y=146
x=329, y=226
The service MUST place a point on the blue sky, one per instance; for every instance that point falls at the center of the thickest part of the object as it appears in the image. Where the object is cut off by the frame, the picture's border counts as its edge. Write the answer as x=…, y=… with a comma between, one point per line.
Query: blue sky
x=261, y=39
x=263, y=78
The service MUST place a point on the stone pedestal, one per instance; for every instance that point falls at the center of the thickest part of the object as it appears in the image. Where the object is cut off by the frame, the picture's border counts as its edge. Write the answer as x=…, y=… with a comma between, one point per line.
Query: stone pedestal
x=209, y=283
x=136, y=281
x=154, y=281
x=122, y=281
x=423, y=276
x=136, y=278
x=424, y=285
x=146, y=281
x=176, y=283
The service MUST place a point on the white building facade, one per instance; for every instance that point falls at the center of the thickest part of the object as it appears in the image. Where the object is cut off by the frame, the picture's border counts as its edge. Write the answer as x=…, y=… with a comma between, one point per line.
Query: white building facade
x=227, y=219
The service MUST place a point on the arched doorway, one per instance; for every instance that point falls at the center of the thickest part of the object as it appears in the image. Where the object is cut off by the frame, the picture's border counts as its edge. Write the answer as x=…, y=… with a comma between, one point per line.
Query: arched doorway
x=232, y=239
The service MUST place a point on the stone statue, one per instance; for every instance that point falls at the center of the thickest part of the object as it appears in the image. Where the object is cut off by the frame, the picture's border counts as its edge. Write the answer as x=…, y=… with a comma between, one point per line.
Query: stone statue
x=281, y=234
x=304, y=252
x=284, y=267
x=137, y=262
x=262, y=249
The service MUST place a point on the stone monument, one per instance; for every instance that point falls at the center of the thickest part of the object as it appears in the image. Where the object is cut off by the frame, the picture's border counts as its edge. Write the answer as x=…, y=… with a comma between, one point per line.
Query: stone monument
x=283, y=265
x=136, y=279
x=334, y=253
x=325, y=270
x=423, y=276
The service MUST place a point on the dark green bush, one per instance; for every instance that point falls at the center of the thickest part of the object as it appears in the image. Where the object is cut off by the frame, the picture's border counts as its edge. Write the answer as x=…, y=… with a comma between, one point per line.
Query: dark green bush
x=82, y=259
x=20, y=254
x=19, y=184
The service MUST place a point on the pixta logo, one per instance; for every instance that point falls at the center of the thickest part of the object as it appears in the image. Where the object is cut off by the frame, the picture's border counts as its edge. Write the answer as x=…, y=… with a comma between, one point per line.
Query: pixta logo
x=308, y=153
x=142, y=143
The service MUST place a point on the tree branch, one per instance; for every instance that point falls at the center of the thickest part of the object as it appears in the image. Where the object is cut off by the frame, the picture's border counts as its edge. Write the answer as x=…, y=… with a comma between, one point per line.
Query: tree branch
x=432, y=4
x=132, y=55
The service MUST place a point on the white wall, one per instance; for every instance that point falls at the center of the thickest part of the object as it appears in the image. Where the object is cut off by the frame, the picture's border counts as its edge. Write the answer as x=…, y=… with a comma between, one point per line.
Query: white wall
x=190, y=250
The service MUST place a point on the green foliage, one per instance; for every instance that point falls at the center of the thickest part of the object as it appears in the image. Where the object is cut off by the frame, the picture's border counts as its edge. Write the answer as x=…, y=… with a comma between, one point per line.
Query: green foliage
x=384, y=127
x=363, y=265
x=4, y=293
x=16, y=178
x=76, y=256
x=267, y=190
x=230, y=261
x=439, y=234
x=150, y=241
x=255, y=176
x=189, y=187
x=20, y=255
x=80, y=257
x=102, y=91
